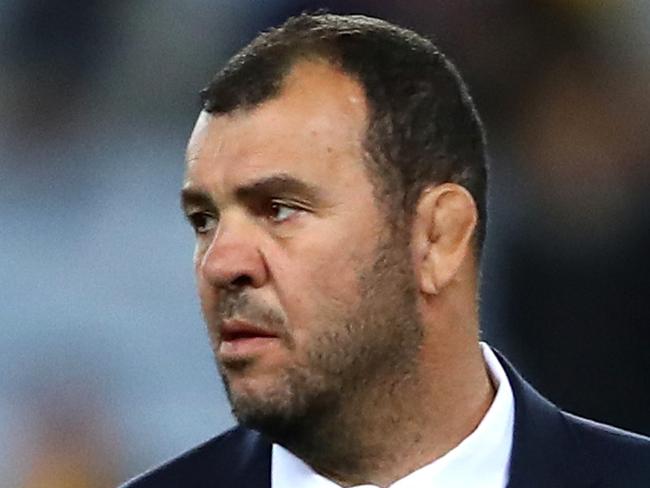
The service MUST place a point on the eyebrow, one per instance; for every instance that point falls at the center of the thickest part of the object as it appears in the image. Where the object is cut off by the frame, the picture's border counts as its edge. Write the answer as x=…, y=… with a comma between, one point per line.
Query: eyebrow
x=278, y=185
x=194, y=197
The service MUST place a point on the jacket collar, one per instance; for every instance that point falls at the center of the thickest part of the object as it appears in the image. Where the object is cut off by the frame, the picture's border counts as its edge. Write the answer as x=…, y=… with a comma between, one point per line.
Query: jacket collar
x=545, y=451
x=251, y=461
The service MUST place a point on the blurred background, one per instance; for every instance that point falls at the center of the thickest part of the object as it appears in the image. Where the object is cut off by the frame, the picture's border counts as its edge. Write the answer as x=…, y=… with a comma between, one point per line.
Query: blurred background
x=105, y=366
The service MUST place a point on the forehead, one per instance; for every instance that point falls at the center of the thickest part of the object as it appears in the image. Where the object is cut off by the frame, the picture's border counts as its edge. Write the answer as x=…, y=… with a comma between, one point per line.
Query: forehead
x=314, y=128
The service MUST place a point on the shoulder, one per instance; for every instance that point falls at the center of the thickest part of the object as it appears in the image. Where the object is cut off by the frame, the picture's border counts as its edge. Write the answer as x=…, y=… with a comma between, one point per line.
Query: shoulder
x=230, y=459
x=618, y=454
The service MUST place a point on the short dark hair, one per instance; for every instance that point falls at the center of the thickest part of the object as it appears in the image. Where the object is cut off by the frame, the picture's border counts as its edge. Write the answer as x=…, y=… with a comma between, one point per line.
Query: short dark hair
x=423, y=127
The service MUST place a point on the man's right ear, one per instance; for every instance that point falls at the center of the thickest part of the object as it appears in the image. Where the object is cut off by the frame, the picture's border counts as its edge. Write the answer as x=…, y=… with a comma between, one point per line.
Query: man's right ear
x=444, y=223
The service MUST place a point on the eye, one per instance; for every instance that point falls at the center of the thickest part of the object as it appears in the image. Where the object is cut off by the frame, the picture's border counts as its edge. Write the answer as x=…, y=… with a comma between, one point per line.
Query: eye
x=280, y=211
x=202, y=222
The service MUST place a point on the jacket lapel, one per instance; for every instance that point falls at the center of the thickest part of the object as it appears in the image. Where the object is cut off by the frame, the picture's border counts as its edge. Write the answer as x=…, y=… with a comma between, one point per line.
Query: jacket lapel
x=545, y=452
x=252, y=465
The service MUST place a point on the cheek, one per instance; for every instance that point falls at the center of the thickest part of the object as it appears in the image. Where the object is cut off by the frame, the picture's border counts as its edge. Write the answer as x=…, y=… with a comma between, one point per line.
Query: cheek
x=205, y=291
x=318, y=286
x=337, y=278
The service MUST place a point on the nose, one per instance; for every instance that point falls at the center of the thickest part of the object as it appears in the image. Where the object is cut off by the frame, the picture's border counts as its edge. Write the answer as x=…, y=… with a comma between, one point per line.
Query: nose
x=233, y=259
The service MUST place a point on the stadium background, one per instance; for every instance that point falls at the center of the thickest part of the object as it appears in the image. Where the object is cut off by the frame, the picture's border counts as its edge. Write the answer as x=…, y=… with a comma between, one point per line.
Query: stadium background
x=104, y=364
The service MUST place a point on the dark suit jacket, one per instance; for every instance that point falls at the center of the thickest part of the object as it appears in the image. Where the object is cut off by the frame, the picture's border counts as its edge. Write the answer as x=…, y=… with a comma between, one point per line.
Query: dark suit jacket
x=551, y=449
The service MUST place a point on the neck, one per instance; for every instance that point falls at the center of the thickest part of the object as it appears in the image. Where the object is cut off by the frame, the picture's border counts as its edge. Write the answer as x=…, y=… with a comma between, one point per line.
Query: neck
x=382, y=432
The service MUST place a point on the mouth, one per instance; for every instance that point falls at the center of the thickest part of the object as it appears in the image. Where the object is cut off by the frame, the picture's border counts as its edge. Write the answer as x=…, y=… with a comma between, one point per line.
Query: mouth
x=240, y=339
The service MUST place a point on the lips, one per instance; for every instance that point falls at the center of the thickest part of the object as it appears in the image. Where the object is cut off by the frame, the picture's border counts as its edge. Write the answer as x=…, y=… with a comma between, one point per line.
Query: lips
x=233, y=330
x=240, y=339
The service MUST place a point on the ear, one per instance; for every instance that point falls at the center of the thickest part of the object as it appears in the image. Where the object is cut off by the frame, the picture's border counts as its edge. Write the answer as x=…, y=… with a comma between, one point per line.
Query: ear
x=444, y=224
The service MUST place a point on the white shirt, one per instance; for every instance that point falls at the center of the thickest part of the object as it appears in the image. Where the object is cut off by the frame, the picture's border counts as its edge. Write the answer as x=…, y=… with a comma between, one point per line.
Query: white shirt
x=482, y=459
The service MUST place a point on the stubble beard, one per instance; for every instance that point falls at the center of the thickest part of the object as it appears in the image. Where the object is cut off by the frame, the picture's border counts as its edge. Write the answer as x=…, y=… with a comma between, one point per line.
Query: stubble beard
x=355, y=354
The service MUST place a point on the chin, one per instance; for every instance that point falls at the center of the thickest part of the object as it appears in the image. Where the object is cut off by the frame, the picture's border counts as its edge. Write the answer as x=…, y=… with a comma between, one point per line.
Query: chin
x=257, y=398
x=281, y=410
x=274, y=417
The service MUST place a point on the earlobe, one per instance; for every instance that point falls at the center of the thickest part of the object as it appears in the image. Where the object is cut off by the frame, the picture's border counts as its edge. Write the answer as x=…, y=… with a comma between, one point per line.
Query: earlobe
x=446, y=219
x=428, y=284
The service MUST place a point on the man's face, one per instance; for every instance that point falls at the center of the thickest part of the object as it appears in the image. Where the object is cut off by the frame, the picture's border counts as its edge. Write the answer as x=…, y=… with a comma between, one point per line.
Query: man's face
x=306, y=293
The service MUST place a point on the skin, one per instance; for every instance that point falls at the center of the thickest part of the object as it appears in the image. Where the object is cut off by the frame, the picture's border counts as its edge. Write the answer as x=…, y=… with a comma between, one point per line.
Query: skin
x=366, y=317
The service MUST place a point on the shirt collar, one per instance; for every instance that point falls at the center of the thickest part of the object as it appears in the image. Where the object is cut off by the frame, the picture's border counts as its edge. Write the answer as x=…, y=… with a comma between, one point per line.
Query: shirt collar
x=481, y=459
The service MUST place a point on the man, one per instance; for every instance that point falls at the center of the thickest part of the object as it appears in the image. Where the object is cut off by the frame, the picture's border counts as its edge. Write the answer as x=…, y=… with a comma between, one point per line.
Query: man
x=336, y=184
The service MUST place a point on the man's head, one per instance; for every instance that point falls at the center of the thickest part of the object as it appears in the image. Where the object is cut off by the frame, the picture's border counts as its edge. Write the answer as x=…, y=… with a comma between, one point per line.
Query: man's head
x=422, y=126
x=323, y=183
